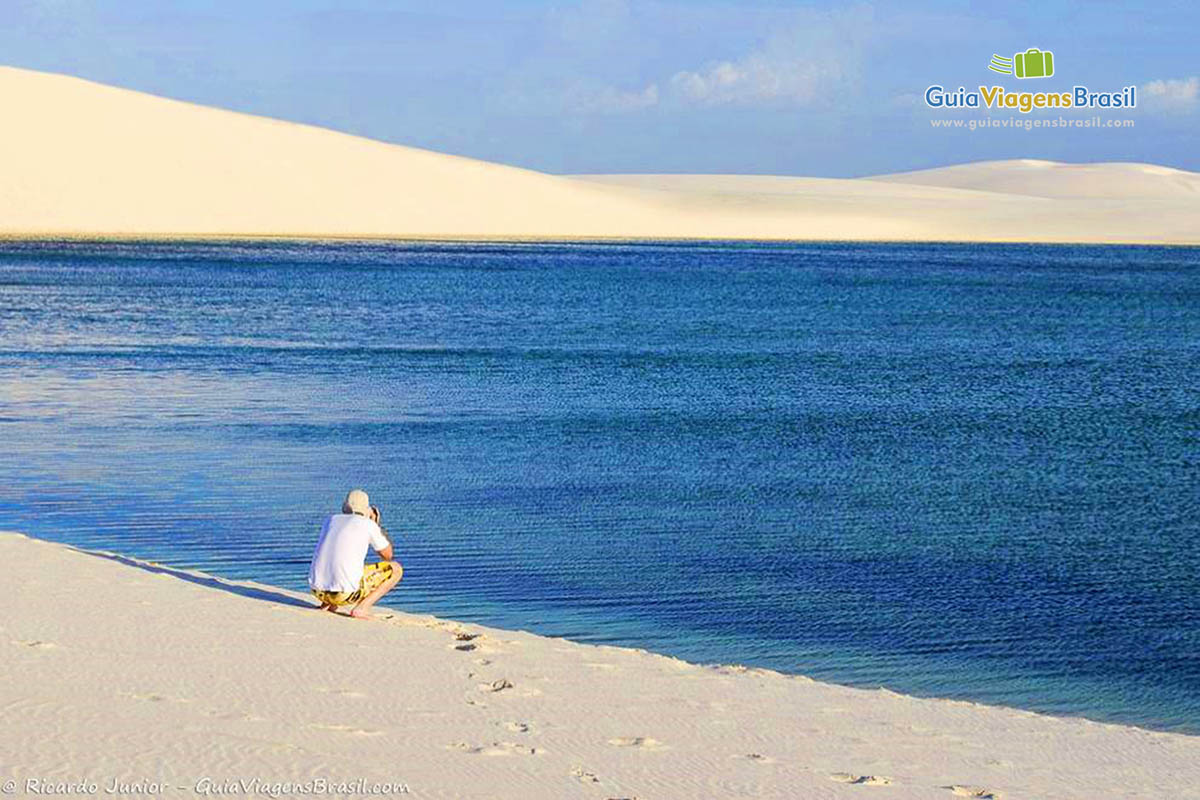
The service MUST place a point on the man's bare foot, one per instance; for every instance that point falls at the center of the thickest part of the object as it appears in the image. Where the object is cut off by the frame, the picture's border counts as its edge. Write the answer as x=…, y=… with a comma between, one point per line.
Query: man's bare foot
x=362, y=609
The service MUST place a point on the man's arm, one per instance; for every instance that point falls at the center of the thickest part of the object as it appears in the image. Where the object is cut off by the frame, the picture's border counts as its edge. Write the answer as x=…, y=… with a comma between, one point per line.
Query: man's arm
x=385, y=552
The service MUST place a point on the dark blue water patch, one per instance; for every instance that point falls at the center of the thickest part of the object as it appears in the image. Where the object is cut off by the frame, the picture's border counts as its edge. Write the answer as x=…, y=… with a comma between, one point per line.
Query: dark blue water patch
x=954, y=470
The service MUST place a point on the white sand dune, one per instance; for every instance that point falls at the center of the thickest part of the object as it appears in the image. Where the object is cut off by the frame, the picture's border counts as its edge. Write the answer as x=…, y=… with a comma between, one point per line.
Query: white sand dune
x=1055, y=179
x=83, y=159
x=1021, y=177
x=121, y=670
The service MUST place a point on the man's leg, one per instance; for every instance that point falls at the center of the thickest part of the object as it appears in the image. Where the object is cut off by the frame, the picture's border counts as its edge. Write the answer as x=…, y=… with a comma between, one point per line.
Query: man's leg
x=362, y=610
x=323, y=599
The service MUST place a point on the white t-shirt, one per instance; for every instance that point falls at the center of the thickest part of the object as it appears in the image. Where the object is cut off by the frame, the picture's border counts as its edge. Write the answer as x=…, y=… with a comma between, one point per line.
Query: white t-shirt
x=337, y=564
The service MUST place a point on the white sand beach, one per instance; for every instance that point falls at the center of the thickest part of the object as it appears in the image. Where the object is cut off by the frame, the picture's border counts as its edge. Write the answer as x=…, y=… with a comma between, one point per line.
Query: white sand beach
x=83, y=159
x=119, y=670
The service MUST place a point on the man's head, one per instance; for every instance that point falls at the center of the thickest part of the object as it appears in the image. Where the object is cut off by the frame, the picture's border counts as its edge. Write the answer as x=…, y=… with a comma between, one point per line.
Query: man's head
x=357, y=502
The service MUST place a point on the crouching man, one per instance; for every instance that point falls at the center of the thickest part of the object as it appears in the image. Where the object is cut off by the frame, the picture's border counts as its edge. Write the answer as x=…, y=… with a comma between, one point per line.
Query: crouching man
x=338, y=577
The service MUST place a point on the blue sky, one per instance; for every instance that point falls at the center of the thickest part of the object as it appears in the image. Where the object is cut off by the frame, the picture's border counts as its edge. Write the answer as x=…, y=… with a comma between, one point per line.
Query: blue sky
x=754, y=86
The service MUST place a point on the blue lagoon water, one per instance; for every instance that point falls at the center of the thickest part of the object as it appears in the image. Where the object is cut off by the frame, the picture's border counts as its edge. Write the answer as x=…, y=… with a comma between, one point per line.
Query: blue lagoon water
x=961, y=471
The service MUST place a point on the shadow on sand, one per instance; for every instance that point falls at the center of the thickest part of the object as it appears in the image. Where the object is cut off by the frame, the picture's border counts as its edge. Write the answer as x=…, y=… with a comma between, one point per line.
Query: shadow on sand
x=255, y=592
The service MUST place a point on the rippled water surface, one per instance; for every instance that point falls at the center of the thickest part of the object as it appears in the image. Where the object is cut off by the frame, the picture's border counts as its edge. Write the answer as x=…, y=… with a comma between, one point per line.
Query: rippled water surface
x=963, y=471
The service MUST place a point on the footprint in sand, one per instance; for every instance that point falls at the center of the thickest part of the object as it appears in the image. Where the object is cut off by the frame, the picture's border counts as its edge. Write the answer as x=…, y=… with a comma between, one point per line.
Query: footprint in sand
x=473, y=642
x=346, y=729
x=341, y=692
x=860, y=780
x=583, y=776
x=638, y=742
x=154, y=697
x=757, y=758
x=233, y=716
x=36, y=644
x=495, y=749
x=498, y=685
x=977, y=792
x=515, y=727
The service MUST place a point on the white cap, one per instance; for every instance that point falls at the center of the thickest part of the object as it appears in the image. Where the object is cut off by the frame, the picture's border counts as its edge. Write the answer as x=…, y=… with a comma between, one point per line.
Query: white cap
x=357, y=502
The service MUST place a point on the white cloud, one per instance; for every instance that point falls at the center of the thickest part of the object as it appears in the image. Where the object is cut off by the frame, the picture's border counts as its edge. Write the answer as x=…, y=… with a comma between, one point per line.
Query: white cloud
x=611, y=100
x=1174, y=94
x=808, y=58
x=755, y=79
x=801, y=66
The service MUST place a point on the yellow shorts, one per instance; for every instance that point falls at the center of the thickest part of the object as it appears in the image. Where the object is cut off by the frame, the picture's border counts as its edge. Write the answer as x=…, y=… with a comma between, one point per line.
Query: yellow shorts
x=373, y=577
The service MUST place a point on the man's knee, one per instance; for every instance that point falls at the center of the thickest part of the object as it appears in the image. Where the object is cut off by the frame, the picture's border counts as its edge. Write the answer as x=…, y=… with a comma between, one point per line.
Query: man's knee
x=397, y=570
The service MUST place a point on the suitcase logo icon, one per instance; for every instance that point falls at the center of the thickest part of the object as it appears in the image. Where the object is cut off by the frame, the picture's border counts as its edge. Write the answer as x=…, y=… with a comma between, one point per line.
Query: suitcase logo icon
x=1033, y=63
